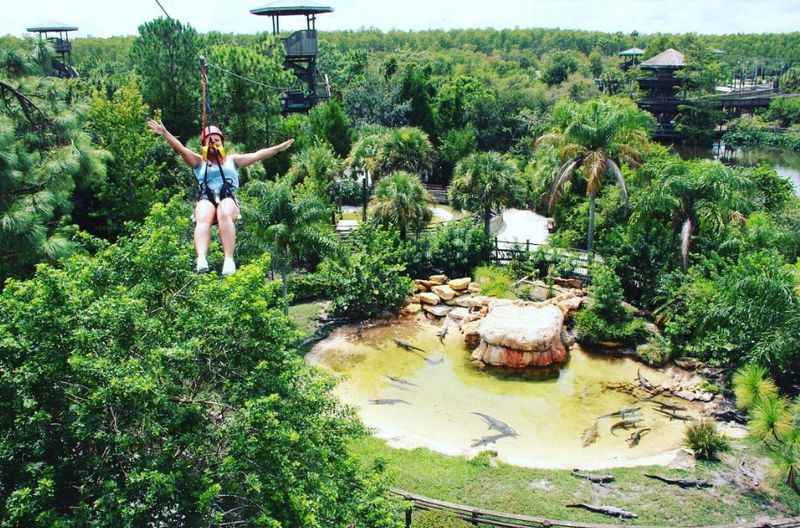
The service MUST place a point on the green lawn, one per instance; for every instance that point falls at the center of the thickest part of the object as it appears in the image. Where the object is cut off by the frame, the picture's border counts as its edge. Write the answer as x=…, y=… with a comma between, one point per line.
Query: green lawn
x=546, y=492
x=305, y=315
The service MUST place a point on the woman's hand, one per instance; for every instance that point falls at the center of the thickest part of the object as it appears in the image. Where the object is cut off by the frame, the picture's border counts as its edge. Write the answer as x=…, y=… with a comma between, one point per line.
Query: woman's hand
x=156, y=127
x=285, y=145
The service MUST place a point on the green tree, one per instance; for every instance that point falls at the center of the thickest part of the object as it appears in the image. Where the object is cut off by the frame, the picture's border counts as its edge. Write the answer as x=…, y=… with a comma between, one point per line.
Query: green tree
x=316, y=166
x=484, y=183
x=42, y=164
x=557, y=66
x=138, y=174
x=294, y=224
x=376, y=100
x=404, y=149
x=165, y=57
x=400, y=200
x=329, y=122
x=137, y=393
x=590, y=136
x=242, y=108
x=416, y=88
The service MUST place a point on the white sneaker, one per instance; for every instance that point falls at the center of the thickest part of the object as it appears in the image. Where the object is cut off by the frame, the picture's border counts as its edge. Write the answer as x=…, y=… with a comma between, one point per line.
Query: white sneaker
x=202, y=265
x=228, y=266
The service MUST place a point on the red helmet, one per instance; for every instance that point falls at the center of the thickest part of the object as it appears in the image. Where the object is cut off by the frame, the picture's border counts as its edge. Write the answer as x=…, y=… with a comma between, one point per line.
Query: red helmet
x=209, y=131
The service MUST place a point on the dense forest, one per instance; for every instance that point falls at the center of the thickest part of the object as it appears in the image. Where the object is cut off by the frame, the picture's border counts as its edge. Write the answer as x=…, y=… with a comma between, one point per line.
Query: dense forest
x=136, y=392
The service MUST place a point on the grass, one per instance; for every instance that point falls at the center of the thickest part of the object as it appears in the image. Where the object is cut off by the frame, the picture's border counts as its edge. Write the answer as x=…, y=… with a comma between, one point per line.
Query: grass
x=495, y=281
x=305, y=315
x=545, y=493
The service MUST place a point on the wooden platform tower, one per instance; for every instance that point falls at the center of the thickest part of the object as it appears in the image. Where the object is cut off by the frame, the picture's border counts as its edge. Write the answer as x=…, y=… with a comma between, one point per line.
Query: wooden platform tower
x=301, y=52
x=58, y=36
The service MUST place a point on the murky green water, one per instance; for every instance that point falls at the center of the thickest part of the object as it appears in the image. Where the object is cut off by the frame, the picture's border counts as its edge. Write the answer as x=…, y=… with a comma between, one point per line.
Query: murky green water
x=429, y=400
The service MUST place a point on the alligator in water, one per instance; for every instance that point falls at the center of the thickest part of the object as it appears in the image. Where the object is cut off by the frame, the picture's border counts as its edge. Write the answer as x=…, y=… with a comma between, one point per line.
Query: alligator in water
x=402, y=381
x=626, y=412
x=590, y=435
x=683, y=483
x=628, y=423
x=489, y=439
x=388, y=401
x=597, y=479
x=497, y=425
x=605, y=510
x=408, y=346
x=674, y=415
x=636, y=436
x=668, y=407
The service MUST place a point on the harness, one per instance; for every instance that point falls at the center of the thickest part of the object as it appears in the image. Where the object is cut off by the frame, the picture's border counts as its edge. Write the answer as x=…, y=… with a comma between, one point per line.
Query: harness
x=205, y=192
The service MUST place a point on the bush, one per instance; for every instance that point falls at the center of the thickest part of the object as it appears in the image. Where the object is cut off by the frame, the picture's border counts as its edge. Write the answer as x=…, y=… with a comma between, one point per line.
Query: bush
x=495, y=281
x=308, y=286
x=457, y=247
x=347, y=191
x=703, y=438
x=605, y=319
x=366, y=284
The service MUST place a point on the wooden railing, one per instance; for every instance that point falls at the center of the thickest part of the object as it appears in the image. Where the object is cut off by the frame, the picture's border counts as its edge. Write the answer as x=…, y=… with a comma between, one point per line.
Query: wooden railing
x=479, y=516
x=505, y=251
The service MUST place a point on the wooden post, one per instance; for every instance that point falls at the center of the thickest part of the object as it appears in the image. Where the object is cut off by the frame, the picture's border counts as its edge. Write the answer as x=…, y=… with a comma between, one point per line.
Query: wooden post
x=364, y=198
x=527, y=245
x=409, y=512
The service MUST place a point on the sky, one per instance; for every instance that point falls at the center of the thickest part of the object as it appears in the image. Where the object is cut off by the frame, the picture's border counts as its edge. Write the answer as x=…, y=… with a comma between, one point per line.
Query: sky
x=103, y=18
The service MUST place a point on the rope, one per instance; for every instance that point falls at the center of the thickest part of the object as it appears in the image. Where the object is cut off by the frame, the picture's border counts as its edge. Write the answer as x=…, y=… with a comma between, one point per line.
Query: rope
x=163, y=10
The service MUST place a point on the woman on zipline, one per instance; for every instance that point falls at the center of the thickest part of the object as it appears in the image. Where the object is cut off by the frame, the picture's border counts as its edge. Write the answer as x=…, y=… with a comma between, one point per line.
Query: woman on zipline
x=218, y=179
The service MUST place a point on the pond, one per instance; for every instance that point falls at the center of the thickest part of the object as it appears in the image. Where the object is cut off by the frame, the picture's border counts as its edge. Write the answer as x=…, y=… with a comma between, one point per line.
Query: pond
x=785, y=162
x=442, y=402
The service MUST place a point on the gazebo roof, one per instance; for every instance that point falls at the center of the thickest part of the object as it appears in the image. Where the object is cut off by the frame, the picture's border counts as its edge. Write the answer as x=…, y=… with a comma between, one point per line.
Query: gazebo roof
x=631, y=52
x=289, y=7
x=666, y=59
x=51, y=27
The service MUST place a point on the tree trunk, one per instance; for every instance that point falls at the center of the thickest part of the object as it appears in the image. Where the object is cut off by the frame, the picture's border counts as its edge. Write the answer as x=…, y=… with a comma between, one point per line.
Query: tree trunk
x=791, y=479
x=364, y=198
x=284, y=273
x=403, y=232
x=487, y=218
x=590, y=235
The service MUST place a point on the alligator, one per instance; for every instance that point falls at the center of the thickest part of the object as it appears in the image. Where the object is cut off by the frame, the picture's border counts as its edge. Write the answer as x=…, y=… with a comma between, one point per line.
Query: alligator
x=636, y=436
x=489, y=439
x=402, y=381
x=388, y=401
x=597, y=479
x=408, y=346
x=668, y=407
x=590, y=435
x=628, y=423
x=497, y=425
x=683, y=483
x=605, y=510
x=626, y=412
x=674, y=415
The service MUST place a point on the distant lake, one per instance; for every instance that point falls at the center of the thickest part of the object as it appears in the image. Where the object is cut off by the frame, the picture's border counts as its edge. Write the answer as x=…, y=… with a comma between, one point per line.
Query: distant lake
x=785, y=162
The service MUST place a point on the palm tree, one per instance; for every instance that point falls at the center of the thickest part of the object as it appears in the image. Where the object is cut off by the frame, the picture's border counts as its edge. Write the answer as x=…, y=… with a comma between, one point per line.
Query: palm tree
x=484, y=183
x=401, y=200
x=594, y=137
x=298, y=224
x=696, y=193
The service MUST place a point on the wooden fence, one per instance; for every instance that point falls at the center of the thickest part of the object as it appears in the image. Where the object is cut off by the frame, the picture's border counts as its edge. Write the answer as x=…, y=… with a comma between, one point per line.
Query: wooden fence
x=578, y=261
x=479, y=516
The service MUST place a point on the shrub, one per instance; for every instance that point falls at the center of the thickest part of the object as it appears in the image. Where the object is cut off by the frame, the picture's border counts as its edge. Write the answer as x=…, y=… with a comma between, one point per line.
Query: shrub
x=457, y=247
x=495, y=281
x=751, y=384
x=365, y=285
x=703, y=438
x=308, y=286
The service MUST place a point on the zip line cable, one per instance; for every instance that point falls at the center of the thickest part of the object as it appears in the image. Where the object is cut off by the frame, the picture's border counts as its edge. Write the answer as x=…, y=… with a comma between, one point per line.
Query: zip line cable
x=238, y=76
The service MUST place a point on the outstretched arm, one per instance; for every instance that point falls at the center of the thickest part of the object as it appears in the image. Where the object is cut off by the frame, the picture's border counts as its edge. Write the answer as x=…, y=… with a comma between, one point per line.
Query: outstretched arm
x=243, y=160
x=191, y=158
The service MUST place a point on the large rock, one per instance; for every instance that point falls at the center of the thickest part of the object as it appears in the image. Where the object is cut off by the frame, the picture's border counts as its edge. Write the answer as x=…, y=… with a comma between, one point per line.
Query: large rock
x=440, y=310
x=428, y=298
x=521, y=335
x=460, y=284
x=472, y=337
x=444, y=292
x=411, y=309
x=438, y=279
